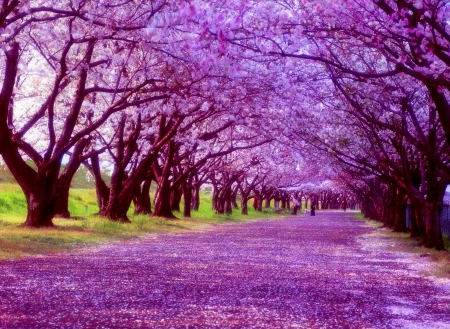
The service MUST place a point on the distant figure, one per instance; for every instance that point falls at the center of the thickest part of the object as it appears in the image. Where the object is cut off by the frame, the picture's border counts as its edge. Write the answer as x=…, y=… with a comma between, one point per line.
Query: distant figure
x=85, y=208
x=344, y=205
x=313, y=206
x=256, y=201
x=295, y=207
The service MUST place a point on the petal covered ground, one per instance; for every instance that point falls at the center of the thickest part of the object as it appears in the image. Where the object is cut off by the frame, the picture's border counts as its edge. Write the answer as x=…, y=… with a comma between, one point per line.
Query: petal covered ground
x=326, y=271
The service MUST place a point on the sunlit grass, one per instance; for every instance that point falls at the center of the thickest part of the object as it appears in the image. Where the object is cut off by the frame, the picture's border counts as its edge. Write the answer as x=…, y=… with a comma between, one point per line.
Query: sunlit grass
x=368, y=221
x=86, y=228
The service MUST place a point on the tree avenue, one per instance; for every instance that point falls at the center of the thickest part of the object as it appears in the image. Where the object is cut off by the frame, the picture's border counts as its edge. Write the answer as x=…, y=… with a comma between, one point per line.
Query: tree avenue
x=263, y=100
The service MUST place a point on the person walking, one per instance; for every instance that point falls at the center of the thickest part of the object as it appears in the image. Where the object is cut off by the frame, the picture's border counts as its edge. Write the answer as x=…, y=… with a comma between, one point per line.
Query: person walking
x=313, y=206
x=344, y=205
x=256, y=201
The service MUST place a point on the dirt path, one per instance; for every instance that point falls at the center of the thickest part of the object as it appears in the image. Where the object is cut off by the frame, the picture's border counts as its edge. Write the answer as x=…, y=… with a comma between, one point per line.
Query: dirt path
x=296, y=273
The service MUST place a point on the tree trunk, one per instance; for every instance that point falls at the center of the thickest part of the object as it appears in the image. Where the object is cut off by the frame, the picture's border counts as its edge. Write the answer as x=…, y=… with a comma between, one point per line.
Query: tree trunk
x=433, y=228
x=392, y=214
x=114, y=210
x=196, y=198
x=417, y=224
x=141, y=200
x=434, y=197
x=414, y=228
x=220, y=207
x=40, y=208
x=61, y=207
x=187, y=195
x=175, y=199
x=122, y=201
x=244, y=205
x=400, y=219
x=228, y=203
x=117, y=210
x=214, y=199
x=162, y=202
x=39, y=188
x=41, y=199
x=260, y=208
x=101, y=189
x=234, y=200
x=432, y=222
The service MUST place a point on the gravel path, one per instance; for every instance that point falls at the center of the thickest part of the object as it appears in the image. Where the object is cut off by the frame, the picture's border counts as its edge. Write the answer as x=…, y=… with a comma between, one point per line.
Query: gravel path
x=305, y=272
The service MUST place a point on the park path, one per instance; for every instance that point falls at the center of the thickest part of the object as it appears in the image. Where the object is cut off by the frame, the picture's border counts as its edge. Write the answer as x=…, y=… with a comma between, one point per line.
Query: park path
x=326, y=271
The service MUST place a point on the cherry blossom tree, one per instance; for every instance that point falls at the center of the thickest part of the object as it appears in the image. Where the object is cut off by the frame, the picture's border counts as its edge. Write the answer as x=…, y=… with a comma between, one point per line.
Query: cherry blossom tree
x=87, y=66
x=397, y=133
x=268, y=98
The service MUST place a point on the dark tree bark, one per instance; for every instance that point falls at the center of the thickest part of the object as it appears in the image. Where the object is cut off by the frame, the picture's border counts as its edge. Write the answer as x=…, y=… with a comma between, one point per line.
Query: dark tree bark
x=392, y=210
x=259, y=204
x=195, y=205
x=283, y=202
x=175, y=199
x=40, y=186
x=224, y=201
x=101, y=189
x=244, y=205
x=61, y=208
x=400, y=220
x=220, y=207
x=234, y=198
x=432, y=221
x=228, y=203
x=40, y=206
x=162, y=202
x=119, y=205
x=434, y=195
x=417, y=222
x=141, y=200
x=245, y=187
x=187, y=195
x=215, y=198
x=223, y=193
x=267, y=202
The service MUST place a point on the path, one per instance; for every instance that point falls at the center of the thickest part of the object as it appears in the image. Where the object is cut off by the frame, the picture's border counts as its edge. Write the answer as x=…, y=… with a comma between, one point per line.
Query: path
x=295, y=273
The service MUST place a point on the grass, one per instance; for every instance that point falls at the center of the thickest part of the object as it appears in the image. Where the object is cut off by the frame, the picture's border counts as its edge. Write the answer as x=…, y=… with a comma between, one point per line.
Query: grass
x=413, y=246
x=86, y=228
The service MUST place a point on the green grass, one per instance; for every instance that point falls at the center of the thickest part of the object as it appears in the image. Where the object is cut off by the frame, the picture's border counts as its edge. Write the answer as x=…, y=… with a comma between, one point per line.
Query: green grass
x=86, y=228
x=413, y=246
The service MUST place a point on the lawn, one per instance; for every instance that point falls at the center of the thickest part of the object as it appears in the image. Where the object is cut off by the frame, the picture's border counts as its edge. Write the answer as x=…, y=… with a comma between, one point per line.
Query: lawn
x=87, y=228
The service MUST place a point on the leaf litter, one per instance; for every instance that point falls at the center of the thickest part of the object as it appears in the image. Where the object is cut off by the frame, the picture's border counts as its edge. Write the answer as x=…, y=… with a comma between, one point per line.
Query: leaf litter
x=330, y=272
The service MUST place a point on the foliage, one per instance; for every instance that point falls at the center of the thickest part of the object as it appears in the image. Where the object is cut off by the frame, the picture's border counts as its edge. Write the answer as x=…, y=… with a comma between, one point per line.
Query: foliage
x=346, y=101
